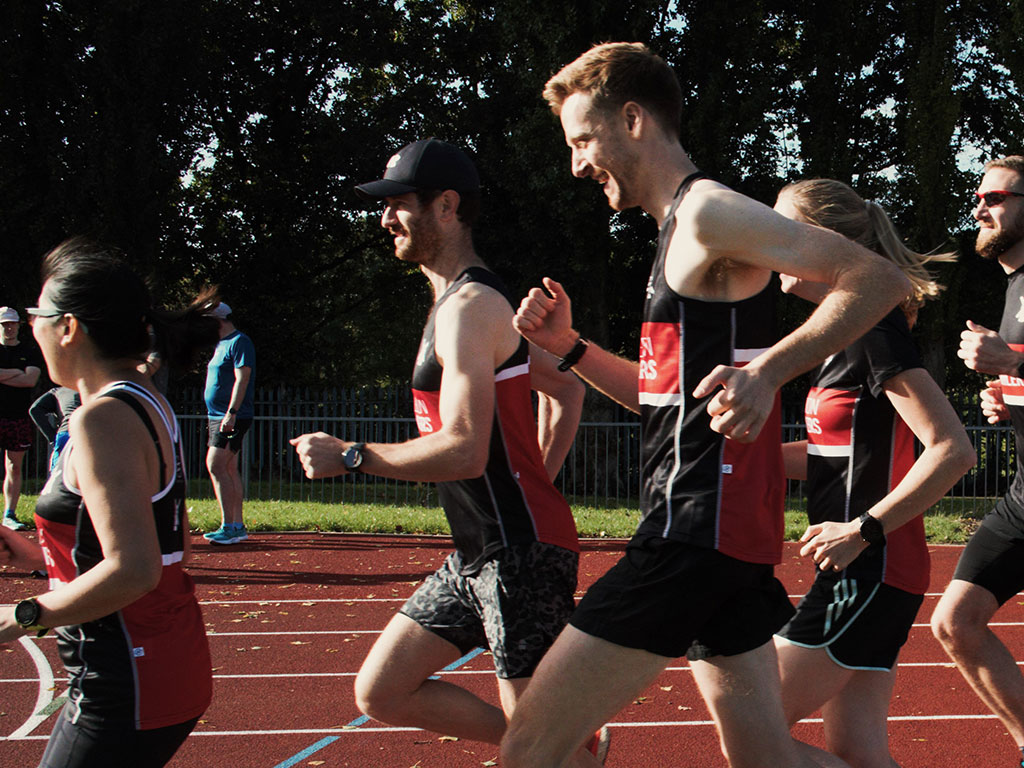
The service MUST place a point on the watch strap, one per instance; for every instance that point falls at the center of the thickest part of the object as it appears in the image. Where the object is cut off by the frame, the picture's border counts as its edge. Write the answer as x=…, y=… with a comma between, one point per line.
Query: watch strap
x=577, y=351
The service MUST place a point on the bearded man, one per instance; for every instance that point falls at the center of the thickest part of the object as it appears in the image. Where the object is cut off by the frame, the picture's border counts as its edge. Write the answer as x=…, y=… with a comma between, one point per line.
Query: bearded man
x=991, y=568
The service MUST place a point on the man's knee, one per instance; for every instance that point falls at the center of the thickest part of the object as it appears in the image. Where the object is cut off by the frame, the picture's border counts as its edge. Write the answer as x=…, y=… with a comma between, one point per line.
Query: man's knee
x=379, y=698
x=960, y=620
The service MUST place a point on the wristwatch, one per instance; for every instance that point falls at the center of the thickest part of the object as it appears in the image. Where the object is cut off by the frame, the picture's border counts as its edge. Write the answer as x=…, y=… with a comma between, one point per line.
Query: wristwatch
x=27, y=613
x=232, y=411
x=871, y=530
x=352, y=457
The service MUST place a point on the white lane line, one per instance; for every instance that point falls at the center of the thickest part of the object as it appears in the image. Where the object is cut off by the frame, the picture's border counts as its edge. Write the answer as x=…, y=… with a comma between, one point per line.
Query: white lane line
x=45, y=694
x=659, y=724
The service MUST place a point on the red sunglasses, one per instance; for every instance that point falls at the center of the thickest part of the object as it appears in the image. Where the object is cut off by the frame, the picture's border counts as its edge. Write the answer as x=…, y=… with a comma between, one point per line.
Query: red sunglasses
x=995, y=197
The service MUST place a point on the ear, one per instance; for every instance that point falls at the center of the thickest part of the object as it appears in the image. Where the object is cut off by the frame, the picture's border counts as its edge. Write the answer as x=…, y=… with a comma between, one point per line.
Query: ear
x=71, y=330
x=448, y=205
x=635, y=117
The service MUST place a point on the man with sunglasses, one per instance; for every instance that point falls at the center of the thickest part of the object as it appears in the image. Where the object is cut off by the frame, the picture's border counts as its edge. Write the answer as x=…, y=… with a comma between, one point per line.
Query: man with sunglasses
x=20, y=366
x=991, y=568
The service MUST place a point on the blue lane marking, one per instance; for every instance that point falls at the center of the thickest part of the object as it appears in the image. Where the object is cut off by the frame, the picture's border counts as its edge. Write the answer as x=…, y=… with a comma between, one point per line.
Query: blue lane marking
x=459, y=662
x=310, y=750
x=314, y=748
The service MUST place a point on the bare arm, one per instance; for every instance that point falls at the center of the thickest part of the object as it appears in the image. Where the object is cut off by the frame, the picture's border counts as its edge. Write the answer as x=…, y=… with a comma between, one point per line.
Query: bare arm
x=15, y=377
x=947, y=455
x=558, y=410
x=546, y=320
x=723, y=225
x=242, y=375
x=473, y=336
x=794, y=457
x=116, y=478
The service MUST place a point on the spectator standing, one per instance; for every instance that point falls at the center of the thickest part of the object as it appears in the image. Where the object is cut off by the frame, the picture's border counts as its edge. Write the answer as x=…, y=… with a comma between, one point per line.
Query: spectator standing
x=20, y=366
x=229, y=408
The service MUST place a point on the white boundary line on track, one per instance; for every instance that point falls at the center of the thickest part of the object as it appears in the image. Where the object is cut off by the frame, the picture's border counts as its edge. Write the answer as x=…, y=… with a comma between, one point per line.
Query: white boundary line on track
x=454, y=672
x=658, y=724
x=45, y=695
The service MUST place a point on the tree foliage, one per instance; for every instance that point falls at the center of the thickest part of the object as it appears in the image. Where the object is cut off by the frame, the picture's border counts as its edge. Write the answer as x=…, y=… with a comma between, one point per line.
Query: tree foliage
x=218, y=141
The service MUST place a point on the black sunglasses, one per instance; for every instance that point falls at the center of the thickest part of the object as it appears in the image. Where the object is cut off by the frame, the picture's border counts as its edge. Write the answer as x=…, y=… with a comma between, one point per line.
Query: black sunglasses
x=996, y=197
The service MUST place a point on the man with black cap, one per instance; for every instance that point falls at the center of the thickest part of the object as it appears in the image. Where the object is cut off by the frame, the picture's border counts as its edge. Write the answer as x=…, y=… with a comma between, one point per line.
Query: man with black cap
x=509, y=584
x=20, y=366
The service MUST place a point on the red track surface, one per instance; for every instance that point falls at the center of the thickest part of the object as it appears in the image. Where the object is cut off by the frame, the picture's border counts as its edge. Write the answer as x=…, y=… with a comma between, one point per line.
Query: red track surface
x=291, y=617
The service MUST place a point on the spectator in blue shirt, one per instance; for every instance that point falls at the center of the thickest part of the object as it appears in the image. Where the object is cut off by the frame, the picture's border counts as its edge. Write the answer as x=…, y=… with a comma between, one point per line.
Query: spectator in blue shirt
x=229, y=407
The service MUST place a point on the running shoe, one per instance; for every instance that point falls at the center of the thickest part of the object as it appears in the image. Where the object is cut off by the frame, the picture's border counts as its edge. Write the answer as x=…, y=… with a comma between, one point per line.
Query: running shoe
x=211, y=534
x=241, y=533
x=227, y=535
x=598, y=744
x=14, y=524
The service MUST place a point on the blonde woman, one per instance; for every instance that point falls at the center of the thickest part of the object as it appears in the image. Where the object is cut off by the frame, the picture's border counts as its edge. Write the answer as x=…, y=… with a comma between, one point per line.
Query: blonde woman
x=866, y=492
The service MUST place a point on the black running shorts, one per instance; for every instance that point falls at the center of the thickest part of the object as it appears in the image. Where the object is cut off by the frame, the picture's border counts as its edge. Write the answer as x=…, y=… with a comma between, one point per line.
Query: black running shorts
x=994, y=559
x=861, y=623
x=672, y=598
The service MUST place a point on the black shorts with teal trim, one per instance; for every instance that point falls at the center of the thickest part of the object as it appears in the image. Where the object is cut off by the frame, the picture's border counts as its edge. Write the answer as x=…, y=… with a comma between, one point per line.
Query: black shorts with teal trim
x=861, y=623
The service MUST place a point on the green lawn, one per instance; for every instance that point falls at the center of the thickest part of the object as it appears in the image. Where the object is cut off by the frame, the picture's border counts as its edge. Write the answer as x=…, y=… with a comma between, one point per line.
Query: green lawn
x=950, y=522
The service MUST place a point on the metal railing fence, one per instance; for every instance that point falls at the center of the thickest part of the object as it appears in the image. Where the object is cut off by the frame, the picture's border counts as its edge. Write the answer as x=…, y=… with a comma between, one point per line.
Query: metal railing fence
x=602, y=468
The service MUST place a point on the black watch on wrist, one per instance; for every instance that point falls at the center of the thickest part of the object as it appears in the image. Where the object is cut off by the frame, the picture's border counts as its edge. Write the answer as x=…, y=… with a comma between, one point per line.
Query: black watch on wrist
x=871, y=530
x=233, y=411
x=352, y=457
x=27, y=614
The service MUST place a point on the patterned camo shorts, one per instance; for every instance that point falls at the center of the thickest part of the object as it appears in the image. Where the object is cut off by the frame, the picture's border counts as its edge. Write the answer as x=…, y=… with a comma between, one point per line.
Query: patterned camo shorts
x=15, y=434
x=515, y=605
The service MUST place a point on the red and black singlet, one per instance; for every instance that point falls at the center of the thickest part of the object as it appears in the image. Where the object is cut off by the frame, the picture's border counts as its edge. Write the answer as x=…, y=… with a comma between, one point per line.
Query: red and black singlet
x=1011, y=330
x=513, y=502
x=148, y=664
x=859, y=449
x=698, y=487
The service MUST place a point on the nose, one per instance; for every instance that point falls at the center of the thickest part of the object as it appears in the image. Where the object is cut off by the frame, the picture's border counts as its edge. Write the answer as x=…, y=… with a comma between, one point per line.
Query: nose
x=388, y=217
x=580, y=166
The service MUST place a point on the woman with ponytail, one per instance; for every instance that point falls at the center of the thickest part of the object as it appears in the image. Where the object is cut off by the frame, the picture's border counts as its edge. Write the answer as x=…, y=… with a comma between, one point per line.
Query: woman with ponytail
x=112, y=521
x=866, y=492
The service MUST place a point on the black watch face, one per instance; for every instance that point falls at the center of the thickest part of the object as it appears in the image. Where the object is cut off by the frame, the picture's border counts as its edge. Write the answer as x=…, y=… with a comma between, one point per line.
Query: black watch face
x=26, y=613
x=871, y=530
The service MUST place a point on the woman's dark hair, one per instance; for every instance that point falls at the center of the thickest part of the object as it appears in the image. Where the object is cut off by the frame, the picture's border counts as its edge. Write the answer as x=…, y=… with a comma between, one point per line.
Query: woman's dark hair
x=93, y=283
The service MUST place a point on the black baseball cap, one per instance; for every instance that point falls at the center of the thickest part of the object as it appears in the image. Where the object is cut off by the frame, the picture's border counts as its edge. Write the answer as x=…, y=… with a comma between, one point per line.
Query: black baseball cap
x=424, y=164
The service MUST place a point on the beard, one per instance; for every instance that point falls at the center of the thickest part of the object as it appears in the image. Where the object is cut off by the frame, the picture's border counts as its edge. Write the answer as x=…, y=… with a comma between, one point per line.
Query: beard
x=993, y=243
x=422, y=242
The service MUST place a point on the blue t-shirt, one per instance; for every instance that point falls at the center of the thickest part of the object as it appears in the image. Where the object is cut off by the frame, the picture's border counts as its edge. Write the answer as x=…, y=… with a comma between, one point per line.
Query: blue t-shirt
x=233, y=351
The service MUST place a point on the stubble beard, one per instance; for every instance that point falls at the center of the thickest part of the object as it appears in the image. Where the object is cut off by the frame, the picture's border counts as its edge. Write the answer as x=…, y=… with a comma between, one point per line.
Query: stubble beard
x=421, y=243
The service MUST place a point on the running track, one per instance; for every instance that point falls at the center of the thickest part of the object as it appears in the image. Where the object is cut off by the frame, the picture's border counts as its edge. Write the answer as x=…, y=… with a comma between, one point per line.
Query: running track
x=291, y=616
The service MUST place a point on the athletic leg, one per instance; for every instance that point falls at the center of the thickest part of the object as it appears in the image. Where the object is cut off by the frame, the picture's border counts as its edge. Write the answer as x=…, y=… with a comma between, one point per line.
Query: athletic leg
x=393, y=686
x=743, y=693
x=809, y=679
x=960, y=623
x=581, y=683
x=12, y=478
x=856, y=720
